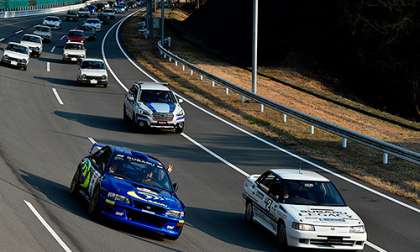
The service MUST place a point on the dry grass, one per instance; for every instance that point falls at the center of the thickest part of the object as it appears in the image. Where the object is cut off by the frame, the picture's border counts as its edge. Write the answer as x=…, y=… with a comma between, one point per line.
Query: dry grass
x=400, y=177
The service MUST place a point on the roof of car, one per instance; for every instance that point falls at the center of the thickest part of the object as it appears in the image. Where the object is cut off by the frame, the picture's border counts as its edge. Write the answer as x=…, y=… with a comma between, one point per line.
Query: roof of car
x=31, y=35
x=153, y=86
x=52, y=17
x=296, y=174
x=42, y=26
x=75, y=43
x=15, y=43
x=92, y=59
x=92, y=19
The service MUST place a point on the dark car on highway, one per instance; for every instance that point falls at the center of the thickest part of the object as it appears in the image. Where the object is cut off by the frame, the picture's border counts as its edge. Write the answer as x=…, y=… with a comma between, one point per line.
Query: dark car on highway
x=72, y=15
x=89, y=32
x=105, y=19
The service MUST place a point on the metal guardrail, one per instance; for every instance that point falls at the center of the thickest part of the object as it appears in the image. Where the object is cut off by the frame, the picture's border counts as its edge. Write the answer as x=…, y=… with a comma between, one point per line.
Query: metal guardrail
x=385, y=147
x=31, y=11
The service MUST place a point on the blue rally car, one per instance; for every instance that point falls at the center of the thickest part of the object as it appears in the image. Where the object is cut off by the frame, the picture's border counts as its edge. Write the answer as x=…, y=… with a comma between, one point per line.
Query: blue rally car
x=129, y=187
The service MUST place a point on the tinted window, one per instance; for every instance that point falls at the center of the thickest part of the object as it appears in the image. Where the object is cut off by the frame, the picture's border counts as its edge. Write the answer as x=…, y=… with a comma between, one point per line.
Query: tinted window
x=17, y=48
x=307, y=193
x=157, y=96
x=140, y=171
x=31, y=39
x=72, y=46
x=92, y=65
x=76, y=33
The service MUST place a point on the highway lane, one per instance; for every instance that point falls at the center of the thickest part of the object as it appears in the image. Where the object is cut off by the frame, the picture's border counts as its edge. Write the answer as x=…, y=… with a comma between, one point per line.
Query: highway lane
x=43, y=141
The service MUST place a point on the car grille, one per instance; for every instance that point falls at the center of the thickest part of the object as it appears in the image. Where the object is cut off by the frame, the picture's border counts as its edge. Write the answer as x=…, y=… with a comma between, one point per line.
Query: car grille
x=163, y=116
x=332, y=241
x=145, y=218
x=149, y=207
x=74, y=56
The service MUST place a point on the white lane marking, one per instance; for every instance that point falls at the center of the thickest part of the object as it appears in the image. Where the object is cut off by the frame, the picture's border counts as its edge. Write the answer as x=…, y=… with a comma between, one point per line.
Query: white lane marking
x=215, y=155
x=48, y=227
x=62, y=37
x=18, y=31
x=263, y=140
x=57, y=96
x=92, y=140
x=219, y=118
x=1, y=39
x=48, y=66
x=52, y=49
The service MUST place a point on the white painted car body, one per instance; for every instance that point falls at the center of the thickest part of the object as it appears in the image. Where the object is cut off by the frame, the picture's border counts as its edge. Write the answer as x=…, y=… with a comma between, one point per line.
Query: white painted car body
x=16, y=54
x=91, y=74
x=33, y=42
x=74, y=52
x=93, y=22
x=306, y=226
x=52, y=21
x=43, y=31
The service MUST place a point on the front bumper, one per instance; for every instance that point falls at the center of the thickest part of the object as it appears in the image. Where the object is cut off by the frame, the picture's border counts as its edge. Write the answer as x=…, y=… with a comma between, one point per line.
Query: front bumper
x=73, y=58
x=142, y=219
x=324, y=240
x=13, y=62
x=92, y=80
x=152, y=122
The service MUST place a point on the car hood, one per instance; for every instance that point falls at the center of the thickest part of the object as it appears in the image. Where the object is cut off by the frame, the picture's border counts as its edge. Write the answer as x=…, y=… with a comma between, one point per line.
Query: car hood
x=136, y=191
x=157, y=107
x=323, y=215
x=93, y=72
x=16, y=55
x=75, y=52
x=30, y=44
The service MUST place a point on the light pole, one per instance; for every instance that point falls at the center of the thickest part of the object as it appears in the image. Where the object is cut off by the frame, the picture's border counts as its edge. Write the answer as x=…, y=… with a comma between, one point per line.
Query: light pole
x=255, y=47
x=162, y=22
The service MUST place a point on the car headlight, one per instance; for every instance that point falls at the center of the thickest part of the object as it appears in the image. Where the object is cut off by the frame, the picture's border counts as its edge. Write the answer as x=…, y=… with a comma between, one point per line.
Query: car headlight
x=303, y=227
x=180, y=113
x=357, y=229
x=103, y=77
x=118, y=197
x=175, y=213
x=144, y=112
x=83, y=76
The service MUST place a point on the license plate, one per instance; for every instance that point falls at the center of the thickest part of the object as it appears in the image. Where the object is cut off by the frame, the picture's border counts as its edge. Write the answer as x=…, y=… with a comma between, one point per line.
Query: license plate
x=93, y=81
x=162, y=122
x=14, y=63
x=73, y=59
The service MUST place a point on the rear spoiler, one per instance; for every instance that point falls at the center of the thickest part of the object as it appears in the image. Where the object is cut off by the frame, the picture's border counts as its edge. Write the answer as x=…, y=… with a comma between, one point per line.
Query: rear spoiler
x=95, y=147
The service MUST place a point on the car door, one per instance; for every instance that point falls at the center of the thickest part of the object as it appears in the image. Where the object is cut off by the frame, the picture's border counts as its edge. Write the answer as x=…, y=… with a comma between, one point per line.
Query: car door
x=263, y=200
x=130, y=101
x=92, y=169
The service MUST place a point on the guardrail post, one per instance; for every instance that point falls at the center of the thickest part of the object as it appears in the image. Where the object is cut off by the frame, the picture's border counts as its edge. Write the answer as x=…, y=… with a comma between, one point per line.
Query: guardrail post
x=227, y=91
x=213, y=84
x=312, y=129
x=261, y=108
x=164, y=55
x=385, y=158
x=344, y=143
x=183, y=67
x=201, y=77
x=170, y=59
x=176, y=63
x=191, y=72
x=285, y=118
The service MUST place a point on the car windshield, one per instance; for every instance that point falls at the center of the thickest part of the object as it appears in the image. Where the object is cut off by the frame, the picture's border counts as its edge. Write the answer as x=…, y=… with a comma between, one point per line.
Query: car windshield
x=76, y=33
x=92, y=21
x=72, y=46
x=17, y=48
x=140, y=171
x=31, y=39
x=52, y=18
x=297, y=192
x=157, y=96
x=88, y=64
x=42, y=29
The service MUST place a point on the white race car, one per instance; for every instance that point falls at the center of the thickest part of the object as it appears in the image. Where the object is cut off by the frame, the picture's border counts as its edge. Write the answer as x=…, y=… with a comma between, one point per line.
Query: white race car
x=33, y=42
x=153, y=105
x=94, y=22
x=93, y=72
x=52, y=21
x=302, y=209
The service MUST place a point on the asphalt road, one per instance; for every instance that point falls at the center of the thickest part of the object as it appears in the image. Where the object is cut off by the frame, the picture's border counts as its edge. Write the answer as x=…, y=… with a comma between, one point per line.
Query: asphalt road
x=41, y=142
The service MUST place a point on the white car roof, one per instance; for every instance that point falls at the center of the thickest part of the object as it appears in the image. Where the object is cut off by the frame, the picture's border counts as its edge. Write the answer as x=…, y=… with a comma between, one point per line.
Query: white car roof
x=42, y=26
x=92, y=19
x=15, y=43
x=51, y=17
x=32, y=35
x=92, y=59
x=295, y=174
x=153, y=86
x=74, y=43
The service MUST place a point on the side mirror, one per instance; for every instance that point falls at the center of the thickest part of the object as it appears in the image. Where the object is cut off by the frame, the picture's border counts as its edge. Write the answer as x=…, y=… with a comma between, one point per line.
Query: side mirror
x=180, y=100
x=130, y=98
x=175, y=186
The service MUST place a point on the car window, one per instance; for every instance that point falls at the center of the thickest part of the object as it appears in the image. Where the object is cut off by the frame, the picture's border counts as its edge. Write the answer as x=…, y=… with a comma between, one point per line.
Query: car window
x=157, y=96
x=17, y=48
x=140, y=171
x=133, y=91
x=266, y=180
x=310, y=193
x=71, y=46
x=31, y=39
x=101, y=157
x=92, y=65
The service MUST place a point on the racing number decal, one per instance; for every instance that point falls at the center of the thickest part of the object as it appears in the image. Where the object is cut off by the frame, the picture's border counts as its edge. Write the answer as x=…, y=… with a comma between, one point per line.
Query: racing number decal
x=268, y=203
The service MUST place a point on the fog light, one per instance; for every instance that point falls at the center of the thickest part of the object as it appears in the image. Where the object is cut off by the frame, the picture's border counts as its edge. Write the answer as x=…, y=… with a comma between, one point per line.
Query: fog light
x=119, y=213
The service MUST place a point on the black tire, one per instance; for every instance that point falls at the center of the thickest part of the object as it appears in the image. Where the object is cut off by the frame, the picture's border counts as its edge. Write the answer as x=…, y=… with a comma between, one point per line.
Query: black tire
x=249, y=212
x=105, y=85
x=179, y=128
x=93, y=204
x=281, y=236
x=75, y=184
